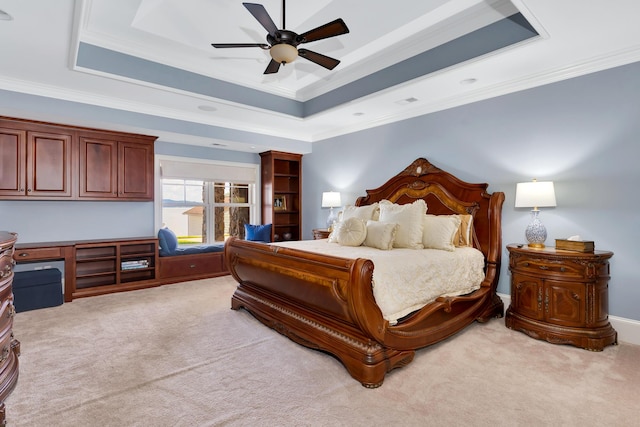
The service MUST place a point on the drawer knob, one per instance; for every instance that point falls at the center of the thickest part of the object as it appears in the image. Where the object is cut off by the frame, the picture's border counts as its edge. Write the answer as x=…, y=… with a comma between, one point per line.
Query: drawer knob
x=562, y=269
x=192, y=266
x=23, y=254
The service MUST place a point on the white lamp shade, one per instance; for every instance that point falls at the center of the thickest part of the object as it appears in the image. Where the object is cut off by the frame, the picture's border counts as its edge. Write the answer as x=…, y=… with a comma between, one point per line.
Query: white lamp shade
x=283, y=53
x=535, y=194
x=331, y=199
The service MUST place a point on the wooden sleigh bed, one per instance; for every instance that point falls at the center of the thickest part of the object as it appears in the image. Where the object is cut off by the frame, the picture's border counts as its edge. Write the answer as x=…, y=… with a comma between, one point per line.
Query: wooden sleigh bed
x=327, y=303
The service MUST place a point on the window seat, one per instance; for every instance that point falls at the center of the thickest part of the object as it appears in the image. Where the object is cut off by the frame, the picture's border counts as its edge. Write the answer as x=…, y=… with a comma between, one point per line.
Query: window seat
x=180, y=263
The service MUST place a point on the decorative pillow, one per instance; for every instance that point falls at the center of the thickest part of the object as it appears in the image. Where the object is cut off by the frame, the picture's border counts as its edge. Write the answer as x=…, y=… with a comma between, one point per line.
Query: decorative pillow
x=351, y=232
x=409, y=218
x=168, y=242
x=439, y=231
x=463, y=236
x=257, y=233
x=380, y=234
x=365, y=213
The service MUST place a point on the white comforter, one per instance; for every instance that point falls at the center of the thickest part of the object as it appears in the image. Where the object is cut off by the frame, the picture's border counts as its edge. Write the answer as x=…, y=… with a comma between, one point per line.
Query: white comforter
x=405, y=280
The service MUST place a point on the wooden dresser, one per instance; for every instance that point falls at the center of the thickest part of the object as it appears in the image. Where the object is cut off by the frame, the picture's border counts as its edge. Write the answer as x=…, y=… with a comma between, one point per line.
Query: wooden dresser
x=9, y=346
x=560, y=296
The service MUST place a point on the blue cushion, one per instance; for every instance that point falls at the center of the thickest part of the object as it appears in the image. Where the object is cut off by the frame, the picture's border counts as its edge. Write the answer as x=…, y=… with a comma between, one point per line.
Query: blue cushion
x=257, y=233
x=168, y=242
x=199, y=249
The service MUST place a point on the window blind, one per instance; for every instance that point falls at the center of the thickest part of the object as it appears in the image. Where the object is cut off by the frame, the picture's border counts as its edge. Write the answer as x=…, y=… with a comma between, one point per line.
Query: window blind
x=208, y=172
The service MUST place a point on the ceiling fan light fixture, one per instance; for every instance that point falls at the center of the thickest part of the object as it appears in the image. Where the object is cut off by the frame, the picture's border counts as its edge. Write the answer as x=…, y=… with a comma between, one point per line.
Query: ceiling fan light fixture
x=283, y=53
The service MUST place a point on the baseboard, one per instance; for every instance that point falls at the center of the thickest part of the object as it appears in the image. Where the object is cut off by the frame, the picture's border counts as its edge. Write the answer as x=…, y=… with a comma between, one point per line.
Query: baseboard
x=628, y=329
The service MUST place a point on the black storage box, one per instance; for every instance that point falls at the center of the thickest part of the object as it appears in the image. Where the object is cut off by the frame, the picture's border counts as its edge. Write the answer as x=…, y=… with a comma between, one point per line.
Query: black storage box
x=37, y=289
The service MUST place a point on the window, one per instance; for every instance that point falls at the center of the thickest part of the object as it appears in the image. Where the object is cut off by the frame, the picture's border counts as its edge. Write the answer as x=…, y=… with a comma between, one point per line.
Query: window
x=211, y=208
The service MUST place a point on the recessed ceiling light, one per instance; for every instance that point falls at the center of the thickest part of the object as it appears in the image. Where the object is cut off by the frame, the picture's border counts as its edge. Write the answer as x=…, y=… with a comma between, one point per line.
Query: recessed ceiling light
x=406, y=101
x=468, y=81
x=4, y=16
x=207, y=108
x=219, y=144
x=359, y=113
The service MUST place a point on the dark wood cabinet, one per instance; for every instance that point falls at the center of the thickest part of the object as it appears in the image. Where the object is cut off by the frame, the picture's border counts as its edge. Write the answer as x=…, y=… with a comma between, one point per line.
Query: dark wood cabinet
x=113, y=266
x=560, y=296
x=282, y=194
x=36, y=164
x=116, y=169
x=45, y=161
x=9, y=346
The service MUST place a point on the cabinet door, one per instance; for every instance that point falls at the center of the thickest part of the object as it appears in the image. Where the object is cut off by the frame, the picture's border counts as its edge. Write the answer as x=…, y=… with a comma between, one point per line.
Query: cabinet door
x=565, y=303
x=135, y=171
x=526, y=295
x=13, y=152
x=98, y=168
x=49, y=165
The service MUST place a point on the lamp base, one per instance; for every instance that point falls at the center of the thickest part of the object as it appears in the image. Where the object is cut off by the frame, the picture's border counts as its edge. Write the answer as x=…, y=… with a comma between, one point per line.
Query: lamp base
x=536, y=245
x=536, y=233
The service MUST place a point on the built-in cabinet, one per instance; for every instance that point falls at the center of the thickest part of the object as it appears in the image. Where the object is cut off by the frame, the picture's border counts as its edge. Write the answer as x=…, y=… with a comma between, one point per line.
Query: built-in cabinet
x=282, y=194
x=111, y=167
x=44, y=161
x=113, y=266
x=36, y=164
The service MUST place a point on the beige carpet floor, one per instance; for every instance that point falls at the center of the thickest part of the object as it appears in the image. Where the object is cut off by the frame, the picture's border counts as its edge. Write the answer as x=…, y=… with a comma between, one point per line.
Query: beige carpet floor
x=178, y=355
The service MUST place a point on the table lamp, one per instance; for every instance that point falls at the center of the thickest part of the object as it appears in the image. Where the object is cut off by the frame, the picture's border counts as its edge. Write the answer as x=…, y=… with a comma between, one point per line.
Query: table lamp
x=331, y=199
x=535, y=194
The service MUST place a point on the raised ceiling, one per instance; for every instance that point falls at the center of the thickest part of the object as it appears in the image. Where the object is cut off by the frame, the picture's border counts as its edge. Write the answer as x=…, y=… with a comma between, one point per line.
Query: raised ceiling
x=399, y=60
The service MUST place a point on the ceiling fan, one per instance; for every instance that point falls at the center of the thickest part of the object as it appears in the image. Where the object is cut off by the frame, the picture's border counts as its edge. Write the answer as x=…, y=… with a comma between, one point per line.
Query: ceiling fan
x=283, y=44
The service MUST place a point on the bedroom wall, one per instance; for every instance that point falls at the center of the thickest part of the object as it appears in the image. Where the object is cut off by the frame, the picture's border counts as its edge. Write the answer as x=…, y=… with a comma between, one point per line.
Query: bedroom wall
x=580, y=133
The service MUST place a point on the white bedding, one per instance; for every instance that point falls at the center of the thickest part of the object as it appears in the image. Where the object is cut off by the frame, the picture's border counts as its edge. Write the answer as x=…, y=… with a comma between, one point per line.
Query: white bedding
x=405, y=280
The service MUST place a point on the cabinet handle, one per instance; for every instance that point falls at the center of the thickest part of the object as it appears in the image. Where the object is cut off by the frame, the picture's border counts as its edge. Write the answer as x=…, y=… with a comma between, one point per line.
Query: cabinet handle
x=28, y=190
x=544, y=267
x=192, y=266
x=546, y=301
x=562, y=269
x=23, y=254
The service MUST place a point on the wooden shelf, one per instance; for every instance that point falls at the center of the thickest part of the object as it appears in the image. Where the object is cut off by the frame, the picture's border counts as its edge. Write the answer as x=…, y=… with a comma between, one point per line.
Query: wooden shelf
x=282, y=176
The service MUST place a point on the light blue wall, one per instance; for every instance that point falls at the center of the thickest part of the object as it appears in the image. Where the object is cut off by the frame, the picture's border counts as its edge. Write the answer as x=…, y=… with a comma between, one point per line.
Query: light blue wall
x=581, y=133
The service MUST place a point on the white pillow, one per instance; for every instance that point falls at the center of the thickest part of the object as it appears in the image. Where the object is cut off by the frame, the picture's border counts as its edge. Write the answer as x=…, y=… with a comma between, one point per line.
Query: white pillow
x=365, y=213
x=439, y=231
x=380, y=234
x=409, y=218
x=351, y=232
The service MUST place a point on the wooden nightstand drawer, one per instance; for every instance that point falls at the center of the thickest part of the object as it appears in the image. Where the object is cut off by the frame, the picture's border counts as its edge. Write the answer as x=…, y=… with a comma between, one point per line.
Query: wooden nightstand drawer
x=539, y=266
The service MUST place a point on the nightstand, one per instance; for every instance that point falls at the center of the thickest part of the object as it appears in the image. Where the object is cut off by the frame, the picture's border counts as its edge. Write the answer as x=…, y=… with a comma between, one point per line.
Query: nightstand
x=320, y=233
x=560, y=296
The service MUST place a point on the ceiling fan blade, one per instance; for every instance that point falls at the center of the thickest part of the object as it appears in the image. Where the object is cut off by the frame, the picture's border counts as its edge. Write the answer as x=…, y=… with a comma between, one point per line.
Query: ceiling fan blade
x=260, y=13
x=227, y=45
x=273, y=67
x=319, y=59
x=331, y=29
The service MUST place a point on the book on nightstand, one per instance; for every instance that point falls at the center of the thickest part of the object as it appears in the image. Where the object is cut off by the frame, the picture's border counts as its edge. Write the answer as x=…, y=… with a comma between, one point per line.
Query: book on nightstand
x=575, y=245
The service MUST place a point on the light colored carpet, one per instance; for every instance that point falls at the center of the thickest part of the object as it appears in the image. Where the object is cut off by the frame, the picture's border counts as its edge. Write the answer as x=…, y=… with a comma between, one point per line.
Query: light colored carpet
x=179, y=356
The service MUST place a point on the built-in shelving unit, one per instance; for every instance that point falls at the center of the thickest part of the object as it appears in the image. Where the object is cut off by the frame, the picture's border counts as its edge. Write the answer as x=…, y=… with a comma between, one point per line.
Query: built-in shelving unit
x=282, y=194
x=117, y=265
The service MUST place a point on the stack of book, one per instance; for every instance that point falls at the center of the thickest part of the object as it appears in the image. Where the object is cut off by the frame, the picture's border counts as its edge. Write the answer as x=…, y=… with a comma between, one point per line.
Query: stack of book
x=135, y=264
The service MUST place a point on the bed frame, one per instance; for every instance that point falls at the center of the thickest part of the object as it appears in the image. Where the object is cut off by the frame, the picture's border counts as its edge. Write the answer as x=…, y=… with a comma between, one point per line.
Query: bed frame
x=327, y=303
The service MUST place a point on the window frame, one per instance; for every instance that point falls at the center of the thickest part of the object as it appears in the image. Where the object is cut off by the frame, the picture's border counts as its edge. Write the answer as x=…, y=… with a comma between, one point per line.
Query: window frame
x=255, y=213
